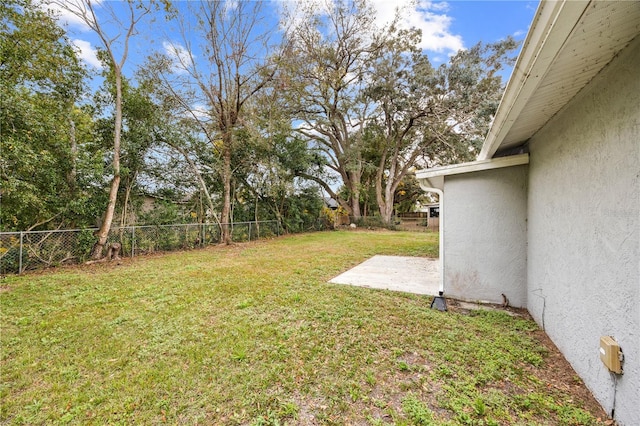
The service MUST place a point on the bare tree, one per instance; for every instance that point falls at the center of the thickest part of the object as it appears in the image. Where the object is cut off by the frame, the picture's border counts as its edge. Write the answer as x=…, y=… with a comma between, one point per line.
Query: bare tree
x=115, y=30
x=212, y=83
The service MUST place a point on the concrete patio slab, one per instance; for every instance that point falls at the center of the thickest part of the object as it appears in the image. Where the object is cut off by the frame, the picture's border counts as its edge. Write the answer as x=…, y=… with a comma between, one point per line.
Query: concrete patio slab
x=417, y=275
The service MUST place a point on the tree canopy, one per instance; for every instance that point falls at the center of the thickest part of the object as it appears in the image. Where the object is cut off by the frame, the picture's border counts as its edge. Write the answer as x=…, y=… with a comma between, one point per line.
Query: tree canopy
x=236, y=120
x=41, y=79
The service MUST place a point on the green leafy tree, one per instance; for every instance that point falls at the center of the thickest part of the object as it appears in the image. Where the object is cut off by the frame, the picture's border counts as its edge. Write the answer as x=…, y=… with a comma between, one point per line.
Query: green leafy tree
x=329, y=54
x=270, y=179
x=269, y=160
x=407, y=195
x=372, y=106
x=428, y=114
x=41, y=129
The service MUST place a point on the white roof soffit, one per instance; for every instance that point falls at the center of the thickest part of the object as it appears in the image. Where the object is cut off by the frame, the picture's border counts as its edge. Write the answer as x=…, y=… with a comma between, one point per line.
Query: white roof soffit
x=474, y=166
x=568, y=43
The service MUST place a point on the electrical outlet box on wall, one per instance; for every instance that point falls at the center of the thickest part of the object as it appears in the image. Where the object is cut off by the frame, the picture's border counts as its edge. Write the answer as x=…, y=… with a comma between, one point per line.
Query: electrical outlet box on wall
x=610, y=354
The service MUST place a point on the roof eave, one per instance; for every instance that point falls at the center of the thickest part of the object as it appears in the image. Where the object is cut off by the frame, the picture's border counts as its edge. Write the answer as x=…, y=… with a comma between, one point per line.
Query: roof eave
x=553, y=24
x=473, y=166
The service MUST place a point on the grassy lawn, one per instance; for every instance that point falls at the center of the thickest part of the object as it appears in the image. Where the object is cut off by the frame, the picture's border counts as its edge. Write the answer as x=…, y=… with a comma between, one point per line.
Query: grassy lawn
x=253, y=334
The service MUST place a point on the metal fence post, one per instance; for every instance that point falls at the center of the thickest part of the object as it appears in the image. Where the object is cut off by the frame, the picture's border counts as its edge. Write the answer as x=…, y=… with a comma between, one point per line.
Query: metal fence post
x=20, y=253
x=249, y=231
x=133, y=240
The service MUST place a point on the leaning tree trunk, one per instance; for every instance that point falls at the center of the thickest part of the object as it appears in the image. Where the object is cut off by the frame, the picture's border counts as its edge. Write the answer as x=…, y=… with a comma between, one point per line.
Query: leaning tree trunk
x=103, y=232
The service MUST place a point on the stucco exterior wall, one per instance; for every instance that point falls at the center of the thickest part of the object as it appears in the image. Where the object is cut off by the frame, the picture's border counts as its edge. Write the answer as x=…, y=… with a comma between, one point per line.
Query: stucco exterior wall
x=485, y=230
x=583, y=231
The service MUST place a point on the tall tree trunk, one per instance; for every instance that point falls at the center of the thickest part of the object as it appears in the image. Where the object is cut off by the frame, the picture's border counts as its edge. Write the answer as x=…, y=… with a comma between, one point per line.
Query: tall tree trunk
x=385, y=203
x=255, y=216
x=85, y=11
x=71, y=177
x=386, y=207
x=354, y=187
x=385, y=196
x=380, y=199
x=225, y=237
x=103, y=232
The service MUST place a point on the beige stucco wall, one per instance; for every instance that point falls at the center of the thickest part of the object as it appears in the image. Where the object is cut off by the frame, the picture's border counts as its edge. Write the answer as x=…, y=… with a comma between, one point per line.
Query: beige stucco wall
x=583, y=230
x=485, y=235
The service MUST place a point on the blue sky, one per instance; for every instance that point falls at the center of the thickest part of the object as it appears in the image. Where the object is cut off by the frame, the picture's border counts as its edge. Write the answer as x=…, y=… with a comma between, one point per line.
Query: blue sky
x=446, y=25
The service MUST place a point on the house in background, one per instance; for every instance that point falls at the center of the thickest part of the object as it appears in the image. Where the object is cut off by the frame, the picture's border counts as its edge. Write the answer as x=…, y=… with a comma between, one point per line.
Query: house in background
x=340, y=217
x=549, y=214
x=330, y=203
x=425, y=214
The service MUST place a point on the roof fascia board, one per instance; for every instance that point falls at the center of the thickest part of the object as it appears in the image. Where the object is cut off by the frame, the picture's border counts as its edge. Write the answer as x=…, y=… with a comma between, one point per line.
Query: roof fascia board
x=553, y=24
x=474, y=166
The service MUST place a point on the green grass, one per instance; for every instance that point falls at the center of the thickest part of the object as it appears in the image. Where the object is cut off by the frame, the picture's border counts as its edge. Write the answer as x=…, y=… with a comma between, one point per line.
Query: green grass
x=253, y=334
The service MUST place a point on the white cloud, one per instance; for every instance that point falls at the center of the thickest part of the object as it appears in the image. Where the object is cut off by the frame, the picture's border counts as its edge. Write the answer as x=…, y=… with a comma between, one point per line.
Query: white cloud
x=230, y=6
x=297, y=13
x=436, y=35
x=176, y=51
x=87, y=53
x=430, y=17
x=179, y=56
x=427, y=16
x=441, y=6
x=198, y=111
x=201, y=111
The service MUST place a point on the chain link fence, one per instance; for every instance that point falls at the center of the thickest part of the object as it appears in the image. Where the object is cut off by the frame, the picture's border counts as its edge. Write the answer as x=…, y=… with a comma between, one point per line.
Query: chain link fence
x=31, y=250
